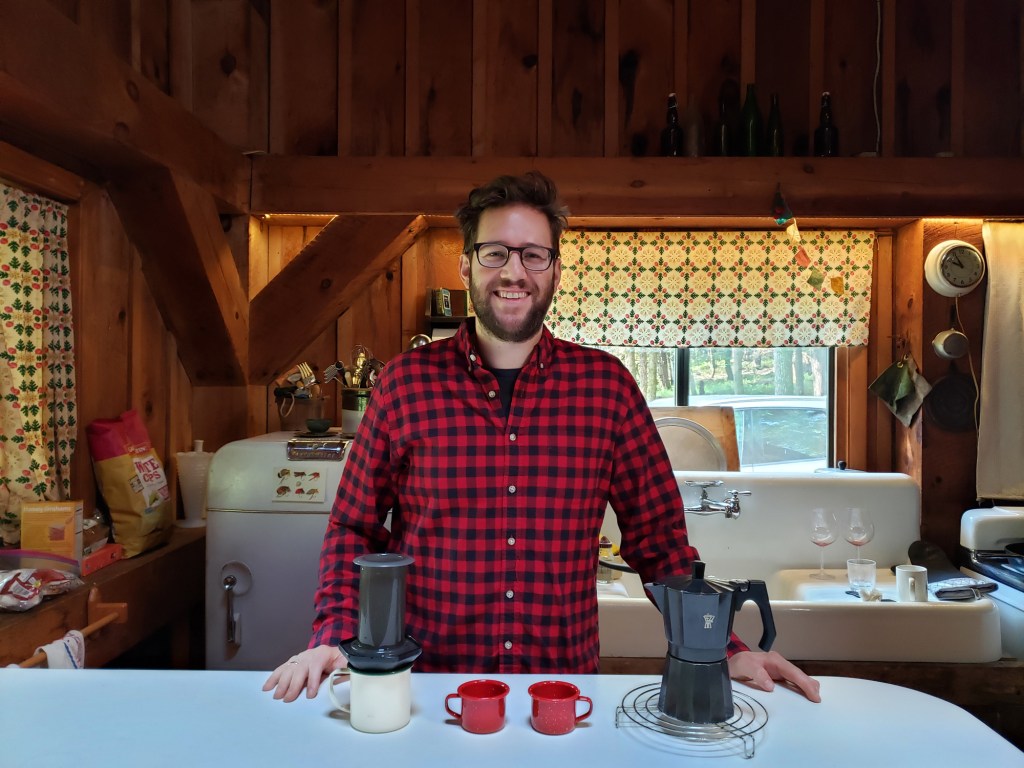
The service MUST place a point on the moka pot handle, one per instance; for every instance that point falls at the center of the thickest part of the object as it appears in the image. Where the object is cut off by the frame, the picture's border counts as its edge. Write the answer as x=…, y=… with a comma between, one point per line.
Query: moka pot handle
x=757, y=591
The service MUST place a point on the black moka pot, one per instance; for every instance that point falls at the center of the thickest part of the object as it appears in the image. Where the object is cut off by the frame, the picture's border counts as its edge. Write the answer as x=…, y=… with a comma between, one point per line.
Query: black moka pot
x=381, y=645
x=698, y=616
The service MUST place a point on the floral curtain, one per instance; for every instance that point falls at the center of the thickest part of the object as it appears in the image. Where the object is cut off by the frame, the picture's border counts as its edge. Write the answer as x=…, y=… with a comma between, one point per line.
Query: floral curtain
x=37, y=375
x=714, y=289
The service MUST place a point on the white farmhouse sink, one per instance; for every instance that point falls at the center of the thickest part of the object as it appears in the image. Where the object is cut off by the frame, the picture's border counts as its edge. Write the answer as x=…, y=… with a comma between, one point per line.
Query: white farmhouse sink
x=814, y=620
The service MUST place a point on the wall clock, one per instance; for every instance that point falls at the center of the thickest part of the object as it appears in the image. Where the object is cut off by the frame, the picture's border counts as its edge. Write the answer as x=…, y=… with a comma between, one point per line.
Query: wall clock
x=954, y=268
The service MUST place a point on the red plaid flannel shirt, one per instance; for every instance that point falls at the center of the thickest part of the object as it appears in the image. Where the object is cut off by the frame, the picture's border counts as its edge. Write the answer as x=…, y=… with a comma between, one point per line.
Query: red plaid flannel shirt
x=501, y=516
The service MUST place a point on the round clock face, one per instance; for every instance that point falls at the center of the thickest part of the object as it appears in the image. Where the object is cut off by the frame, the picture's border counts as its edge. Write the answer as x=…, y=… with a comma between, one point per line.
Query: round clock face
x=962, y=266
x=954, y=268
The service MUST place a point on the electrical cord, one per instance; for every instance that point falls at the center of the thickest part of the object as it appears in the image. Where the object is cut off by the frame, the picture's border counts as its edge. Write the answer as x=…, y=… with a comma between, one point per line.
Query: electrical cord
x=970, y=362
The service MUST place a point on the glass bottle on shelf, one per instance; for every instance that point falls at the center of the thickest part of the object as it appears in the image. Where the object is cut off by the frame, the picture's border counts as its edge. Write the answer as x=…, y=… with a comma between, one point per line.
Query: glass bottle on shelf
x=672, y=133
x=693, y=129
x=751, y=125
x=775, y=141
x=826, y=135
x=726, y=139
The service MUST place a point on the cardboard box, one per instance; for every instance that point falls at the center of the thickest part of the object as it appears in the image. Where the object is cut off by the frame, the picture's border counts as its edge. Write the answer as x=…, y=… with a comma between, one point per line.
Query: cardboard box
x=101, y=558
x=53, y=526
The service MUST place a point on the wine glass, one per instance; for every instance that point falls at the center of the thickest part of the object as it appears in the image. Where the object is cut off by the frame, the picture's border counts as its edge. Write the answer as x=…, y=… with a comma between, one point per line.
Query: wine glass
x=823, y=533
x=860, y=529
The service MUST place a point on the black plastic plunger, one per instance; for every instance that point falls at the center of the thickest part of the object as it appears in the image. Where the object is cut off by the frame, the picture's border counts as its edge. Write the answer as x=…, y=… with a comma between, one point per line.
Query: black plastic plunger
x=381, y=645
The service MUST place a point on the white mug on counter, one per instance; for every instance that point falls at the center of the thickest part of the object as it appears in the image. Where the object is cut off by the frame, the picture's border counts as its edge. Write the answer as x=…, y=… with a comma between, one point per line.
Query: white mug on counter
x=379, y=702
x=912, y=583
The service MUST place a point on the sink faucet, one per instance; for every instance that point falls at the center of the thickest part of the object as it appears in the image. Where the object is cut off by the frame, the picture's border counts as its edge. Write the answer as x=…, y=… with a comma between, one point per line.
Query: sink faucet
x=729, y=506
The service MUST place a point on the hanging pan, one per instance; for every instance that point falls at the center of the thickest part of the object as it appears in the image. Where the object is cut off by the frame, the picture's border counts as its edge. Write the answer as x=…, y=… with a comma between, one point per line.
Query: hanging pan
x=950, y=404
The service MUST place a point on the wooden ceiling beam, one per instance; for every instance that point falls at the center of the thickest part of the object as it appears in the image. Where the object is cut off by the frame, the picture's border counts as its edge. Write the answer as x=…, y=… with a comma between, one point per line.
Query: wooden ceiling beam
x=652, y=187
x=69, y=101
x=190, y=268
x=321, y=283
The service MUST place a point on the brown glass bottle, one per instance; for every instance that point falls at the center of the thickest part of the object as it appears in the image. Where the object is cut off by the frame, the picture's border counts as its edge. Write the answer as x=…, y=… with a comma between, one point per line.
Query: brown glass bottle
x=672, y=133
x=826, y=135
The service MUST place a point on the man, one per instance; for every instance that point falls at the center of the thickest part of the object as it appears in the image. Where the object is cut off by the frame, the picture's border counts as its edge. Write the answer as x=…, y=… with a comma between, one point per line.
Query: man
x=497, y=452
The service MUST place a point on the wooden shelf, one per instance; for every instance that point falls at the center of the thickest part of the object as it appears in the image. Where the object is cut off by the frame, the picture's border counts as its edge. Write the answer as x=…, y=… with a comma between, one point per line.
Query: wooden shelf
x=160, y=588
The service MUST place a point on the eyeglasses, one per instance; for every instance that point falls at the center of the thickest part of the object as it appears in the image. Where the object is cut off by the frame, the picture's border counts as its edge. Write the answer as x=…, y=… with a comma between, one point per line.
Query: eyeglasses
x=535, y=258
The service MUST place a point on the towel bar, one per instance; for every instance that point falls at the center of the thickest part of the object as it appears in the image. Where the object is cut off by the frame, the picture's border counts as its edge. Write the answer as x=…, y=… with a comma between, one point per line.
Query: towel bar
x=99, y=615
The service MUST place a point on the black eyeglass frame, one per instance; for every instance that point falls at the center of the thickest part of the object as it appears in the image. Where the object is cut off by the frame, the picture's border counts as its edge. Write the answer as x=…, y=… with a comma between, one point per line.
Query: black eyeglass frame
x=509, y=250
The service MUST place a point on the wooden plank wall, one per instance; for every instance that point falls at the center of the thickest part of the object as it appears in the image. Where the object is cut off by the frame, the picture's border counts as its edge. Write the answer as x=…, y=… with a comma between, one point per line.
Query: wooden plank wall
x=572, y=77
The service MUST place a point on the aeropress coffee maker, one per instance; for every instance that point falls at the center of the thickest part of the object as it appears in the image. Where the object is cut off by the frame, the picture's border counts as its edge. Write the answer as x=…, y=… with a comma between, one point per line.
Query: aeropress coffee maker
x=698, y=615
x=381, y=656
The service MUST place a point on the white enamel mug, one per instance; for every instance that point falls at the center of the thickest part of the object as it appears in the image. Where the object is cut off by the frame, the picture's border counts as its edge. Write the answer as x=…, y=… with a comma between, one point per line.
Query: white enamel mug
x=379, y=702
x=912, y=583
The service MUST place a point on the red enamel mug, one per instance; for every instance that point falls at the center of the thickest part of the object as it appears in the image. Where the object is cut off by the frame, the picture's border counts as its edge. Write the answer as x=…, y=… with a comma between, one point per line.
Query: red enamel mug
x=554, y=707
x=483, y=705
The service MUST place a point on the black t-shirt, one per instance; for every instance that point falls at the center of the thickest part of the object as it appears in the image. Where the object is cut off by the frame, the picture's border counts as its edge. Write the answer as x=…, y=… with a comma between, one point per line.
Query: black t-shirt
x=506, y=383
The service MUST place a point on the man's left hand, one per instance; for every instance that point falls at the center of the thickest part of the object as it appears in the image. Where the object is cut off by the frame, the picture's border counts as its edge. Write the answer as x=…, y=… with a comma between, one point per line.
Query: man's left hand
x=761, y=669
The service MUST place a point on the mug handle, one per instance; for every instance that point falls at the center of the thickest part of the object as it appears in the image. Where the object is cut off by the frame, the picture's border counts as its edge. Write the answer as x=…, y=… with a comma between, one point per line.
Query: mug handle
x=452, y=712
x=590, y=708
x=344, y=707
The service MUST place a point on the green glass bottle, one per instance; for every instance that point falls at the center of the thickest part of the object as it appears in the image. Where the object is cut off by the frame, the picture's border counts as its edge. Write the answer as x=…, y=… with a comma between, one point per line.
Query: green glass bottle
x=672, y=133
x=751, y=125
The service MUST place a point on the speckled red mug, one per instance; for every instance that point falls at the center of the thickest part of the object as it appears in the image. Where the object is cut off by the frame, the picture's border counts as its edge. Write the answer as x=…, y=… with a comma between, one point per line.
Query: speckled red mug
x=483, y=705
x=554, y=707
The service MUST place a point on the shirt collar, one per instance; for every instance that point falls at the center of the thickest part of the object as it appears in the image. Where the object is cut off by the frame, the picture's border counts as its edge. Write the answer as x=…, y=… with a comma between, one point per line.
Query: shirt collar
x=466, y=344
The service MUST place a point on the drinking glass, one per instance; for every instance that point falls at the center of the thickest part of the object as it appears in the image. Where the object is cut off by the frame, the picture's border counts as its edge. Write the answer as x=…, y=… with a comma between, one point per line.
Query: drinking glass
x=860, y=529
x=861, y=574
x=823, y=533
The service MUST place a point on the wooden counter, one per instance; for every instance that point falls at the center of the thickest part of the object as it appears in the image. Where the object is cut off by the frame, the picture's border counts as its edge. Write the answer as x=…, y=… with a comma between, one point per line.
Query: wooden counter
x=162, y=588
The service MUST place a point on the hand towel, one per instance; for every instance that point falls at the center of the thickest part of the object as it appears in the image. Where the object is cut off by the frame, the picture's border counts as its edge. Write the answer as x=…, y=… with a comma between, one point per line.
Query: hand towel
x=66, y=653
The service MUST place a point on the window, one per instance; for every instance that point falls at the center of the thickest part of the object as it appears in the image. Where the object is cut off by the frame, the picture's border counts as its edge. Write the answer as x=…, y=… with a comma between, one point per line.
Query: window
x=780, y=397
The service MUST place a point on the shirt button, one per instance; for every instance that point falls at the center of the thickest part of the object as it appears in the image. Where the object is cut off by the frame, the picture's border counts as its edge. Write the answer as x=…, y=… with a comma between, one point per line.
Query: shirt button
x=511, y=541
x=512, y=437
x=473, y=358
x=508, y=645
x=510, y=594
x=511, y=489
x=492, y=394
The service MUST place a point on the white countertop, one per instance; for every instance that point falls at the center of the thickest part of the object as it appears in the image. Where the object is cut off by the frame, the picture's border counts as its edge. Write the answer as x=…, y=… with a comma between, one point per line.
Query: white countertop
x=112, y=718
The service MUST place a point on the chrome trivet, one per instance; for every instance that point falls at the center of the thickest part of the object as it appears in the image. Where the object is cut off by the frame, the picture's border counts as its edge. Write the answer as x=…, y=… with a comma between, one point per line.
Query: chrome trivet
x=734, y=736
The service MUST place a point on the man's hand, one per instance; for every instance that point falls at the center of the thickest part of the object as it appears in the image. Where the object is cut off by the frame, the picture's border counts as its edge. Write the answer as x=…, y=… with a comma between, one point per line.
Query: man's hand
x=305, y=670
x=761, y=670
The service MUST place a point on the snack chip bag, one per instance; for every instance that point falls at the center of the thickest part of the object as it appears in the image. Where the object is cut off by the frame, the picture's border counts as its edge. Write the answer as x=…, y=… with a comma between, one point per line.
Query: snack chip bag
x=132, y=481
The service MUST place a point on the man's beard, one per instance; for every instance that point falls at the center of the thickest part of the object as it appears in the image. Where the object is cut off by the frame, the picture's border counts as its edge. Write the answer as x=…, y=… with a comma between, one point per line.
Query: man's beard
x=485, y=315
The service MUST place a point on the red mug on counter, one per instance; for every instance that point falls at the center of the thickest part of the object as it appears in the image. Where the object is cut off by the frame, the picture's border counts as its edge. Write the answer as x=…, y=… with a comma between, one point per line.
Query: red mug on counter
x=483, y=705
x=554, y=707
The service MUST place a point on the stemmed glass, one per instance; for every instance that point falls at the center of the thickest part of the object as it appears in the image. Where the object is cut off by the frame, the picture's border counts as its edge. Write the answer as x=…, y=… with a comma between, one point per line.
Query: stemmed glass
x=823, y=533
x=860, y=529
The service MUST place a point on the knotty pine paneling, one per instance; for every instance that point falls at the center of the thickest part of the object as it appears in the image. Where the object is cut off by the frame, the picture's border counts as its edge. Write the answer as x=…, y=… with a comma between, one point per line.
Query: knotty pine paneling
x=783, y=25
x=374, y=64
x=848, y=73
x=228, y=73
x=645, y=74
x=992, y=80
x=923, y=73
x=149, y=374
x=713, y=56
x=303, y=77
x=441, y=84
x=100, y=269
x=504, y=106
x=577, y=109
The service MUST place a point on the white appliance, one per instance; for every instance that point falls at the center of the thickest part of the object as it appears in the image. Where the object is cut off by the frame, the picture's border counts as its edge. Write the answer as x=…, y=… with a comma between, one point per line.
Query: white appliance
x=268, y=501
x=984, y=537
